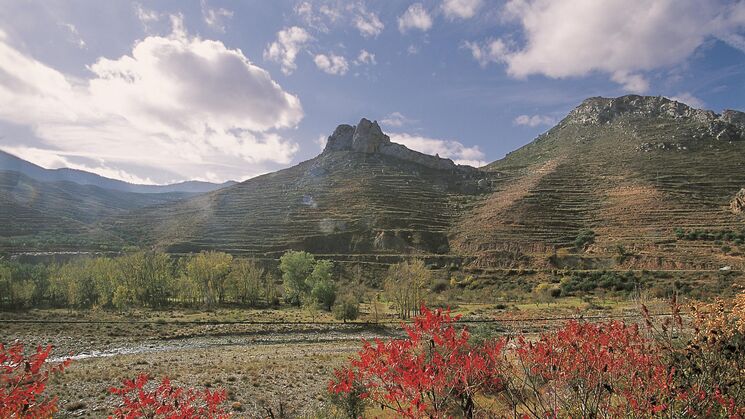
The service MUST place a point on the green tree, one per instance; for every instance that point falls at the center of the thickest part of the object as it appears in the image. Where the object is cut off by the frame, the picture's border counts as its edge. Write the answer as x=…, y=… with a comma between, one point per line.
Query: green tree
x=323, y=288
x=148, y=277
x=296, y=267
x=347, y=308
x=245, y=282
x=210, y=270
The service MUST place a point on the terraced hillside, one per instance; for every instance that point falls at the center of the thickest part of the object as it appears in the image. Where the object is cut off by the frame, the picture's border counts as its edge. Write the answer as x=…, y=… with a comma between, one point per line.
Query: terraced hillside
x=362, y=195
x=638, y=171
x=35, y=215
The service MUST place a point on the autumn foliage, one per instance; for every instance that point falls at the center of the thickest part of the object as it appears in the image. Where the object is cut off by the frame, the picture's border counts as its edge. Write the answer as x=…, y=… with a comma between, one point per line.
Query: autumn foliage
x=23, y=381
x=601, y=370
x=167, y=401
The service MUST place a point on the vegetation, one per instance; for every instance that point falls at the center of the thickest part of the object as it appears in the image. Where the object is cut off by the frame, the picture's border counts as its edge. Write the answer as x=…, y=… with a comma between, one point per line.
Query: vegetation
x=405, y=284
x=584, y=238
x=607, y=369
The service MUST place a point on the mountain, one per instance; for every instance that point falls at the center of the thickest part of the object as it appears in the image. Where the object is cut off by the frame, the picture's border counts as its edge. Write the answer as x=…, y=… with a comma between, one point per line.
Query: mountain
x=628, y=183
x=637, y=171
x=9, y=162
x=362, y=195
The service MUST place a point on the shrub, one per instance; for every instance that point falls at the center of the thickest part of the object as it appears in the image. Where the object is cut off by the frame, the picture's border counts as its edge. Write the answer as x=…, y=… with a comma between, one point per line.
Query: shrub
x=348, y=308
x=584, y=238
x=167, y=401
x=434, y=372
x=23, y=381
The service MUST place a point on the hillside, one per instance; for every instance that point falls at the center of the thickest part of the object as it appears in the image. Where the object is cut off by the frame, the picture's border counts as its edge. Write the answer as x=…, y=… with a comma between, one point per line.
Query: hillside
x=9, y=162
x=34, y=214
x=362, y=195
x=638, y=171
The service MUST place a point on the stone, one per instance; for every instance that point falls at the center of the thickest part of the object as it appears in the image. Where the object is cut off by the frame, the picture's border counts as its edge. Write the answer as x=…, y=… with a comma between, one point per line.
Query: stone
x=367, y=137
x=738, y=202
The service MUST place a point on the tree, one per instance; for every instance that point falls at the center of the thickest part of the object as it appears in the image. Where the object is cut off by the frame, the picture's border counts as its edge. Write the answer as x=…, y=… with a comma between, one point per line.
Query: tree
x=210, y=270
x=323, y=288
x=347, y=308
x=405, y=284
x=245, y=282
x=296, y=267
x=148, y=276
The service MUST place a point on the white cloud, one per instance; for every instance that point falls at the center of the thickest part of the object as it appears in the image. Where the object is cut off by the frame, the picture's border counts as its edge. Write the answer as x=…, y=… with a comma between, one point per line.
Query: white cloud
x=621, y=38
x=332, y=64
x=396, y=119
x=462, y=9
x=74, y=35
x=535, y=120
x=450, y=149
x=415, y=17
x=365, y=57
x=290, y=41
x=493, y=51
x=321, y=141
x=146, y=16
x=368, y=23
x=214, y=17
x=176, y=103
x=689, y=99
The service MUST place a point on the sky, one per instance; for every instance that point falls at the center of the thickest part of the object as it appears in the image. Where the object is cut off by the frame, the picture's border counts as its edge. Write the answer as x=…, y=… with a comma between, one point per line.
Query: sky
x=164, y=91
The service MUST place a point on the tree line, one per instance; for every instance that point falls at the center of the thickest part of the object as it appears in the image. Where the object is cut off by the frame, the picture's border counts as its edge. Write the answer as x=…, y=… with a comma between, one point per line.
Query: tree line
x=151, y=279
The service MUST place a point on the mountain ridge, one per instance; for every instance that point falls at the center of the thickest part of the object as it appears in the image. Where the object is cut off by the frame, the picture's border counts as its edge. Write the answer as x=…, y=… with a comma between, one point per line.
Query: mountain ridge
x=10, y=162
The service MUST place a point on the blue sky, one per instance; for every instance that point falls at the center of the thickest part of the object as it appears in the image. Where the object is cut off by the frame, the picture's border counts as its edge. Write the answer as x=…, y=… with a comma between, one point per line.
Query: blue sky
x=156, y=92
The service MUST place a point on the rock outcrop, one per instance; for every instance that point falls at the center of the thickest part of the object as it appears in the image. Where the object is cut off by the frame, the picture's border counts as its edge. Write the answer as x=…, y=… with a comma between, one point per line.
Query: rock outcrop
x=367, y=137
x=729, y=126
x=738, y=202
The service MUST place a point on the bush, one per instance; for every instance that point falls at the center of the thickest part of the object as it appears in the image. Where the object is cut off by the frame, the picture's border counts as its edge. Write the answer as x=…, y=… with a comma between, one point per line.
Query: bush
x=584, y=238
x=348, y=308
x=167, y=401
x=23, y=381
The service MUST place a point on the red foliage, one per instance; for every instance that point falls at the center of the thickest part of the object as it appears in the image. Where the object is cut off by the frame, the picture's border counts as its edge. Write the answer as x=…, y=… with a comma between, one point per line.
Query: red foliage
x=23, y=381
x=432, y=373
x=167, y=401
x=585, y=369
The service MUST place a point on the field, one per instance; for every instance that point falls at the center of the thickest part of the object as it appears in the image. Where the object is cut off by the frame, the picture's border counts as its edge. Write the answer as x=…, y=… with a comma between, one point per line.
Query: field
x=265, y=359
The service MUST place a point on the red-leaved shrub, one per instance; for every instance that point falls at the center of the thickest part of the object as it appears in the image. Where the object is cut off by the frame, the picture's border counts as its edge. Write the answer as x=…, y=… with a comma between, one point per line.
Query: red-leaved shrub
x=434, y=373
x=166, y=401
x=23, y=381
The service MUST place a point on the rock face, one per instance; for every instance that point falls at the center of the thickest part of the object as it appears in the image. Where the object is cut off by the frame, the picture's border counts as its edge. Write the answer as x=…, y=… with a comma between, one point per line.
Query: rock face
x=729, y=126
x=367, y=137
x=738, y=202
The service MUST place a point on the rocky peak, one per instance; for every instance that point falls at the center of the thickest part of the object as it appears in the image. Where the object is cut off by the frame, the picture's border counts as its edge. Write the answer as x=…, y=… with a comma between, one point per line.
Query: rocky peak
x=729, y=126
x=367, y=137
x=600, y=110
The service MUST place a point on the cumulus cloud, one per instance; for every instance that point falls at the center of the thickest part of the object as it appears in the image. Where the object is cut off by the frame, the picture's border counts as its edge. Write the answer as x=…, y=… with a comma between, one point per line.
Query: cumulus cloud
x=415, y=17
x=689, y=99
x=450, y=149
x=179, y=103
x=368, y=23
x=145, y=16
x=214, y=17
x=621, y=38
x=535, y=120
x=365, y=57
x=290, y=41
x=331, y=64
x=460, y=9
x=396, y=119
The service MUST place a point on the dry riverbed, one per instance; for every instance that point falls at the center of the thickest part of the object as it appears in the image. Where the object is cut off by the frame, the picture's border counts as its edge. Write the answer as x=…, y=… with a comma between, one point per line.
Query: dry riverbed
x=262, y=366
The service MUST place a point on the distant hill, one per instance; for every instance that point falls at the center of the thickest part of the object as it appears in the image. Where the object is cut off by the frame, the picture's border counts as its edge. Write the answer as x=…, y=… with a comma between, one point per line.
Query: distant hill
x=9, y=162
